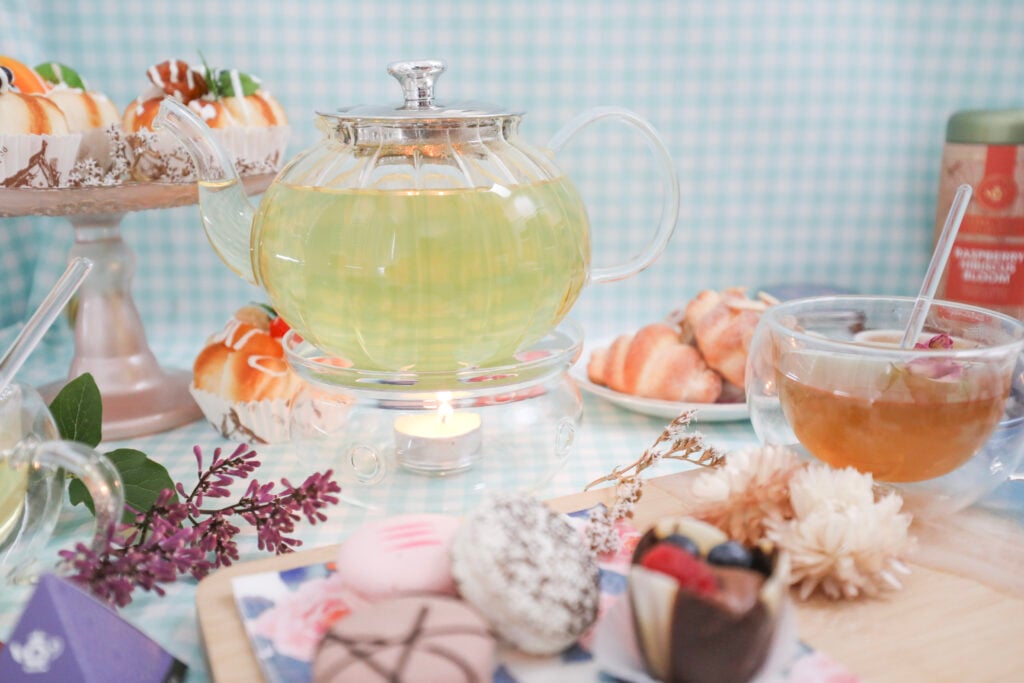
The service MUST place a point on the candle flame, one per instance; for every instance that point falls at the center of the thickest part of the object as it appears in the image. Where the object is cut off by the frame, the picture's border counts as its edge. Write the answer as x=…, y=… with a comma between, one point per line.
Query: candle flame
x=444, y=409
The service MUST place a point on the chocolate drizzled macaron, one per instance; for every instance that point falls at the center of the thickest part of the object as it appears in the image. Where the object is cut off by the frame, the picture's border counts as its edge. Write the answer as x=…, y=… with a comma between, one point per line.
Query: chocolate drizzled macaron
x=420, y=639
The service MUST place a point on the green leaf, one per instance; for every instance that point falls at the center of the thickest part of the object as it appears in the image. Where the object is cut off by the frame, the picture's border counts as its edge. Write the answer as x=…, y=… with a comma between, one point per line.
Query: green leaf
x=143, y=481
x=78, y=411
x=58, y=73
x=226, y=85
x=211, y=82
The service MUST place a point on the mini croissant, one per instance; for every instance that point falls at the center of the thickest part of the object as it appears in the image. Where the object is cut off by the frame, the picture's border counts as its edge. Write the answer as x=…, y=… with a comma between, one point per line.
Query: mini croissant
x=723, y=324
x=654, y=363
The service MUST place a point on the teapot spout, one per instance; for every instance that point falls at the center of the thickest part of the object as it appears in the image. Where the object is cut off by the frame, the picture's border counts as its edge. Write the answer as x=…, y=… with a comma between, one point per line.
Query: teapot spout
x=226, y=211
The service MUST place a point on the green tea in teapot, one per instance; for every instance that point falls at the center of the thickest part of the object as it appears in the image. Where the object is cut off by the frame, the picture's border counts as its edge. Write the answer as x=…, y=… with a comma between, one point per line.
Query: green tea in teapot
x=424, y=280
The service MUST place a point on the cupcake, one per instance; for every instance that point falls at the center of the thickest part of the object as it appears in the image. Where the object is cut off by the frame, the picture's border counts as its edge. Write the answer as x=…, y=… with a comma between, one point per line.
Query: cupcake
x=37, y=146
x=102, y=156
x=245, y=118
x=243, y=383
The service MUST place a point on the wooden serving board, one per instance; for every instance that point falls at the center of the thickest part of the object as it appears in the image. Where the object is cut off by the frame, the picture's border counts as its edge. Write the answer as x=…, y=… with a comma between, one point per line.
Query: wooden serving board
x=940, y=627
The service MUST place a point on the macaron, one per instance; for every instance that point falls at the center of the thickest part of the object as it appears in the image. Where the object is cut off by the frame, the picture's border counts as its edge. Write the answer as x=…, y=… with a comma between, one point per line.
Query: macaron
x=399, y=555
x=415, y=639
x=528, y=571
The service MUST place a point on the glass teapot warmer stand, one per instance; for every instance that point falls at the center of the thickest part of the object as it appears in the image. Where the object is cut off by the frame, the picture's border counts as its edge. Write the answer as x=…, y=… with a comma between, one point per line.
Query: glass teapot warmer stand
x=438, y=441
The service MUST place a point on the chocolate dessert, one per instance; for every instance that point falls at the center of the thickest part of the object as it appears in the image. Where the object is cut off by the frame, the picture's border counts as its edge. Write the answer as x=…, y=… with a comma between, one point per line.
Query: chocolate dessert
x=705, y=608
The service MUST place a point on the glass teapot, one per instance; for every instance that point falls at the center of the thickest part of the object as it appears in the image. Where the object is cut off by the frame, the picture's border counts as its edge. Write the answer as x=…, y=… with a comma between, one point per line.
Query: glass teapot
x=420, y=237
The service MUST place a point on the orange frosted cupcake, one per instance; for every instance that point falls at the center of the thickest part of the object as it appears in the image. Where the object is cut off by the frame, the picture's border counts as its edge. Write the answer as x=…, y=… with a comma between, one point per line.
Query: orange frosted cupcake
x=102, y=156
x=37, y=146
x=245, y=118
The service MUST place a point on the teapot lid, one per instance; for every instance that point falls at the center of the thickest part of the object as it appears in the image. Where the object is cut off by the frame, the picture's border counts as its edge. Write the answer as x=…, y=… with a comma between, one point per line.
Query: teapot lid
x=417, y=80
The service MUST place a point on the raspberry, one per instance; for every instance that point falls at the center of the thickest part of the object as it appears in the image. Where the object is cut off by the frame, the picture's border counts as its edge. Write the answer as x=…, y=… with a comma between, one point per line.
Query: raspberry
x=692, y=573
x=278, y=327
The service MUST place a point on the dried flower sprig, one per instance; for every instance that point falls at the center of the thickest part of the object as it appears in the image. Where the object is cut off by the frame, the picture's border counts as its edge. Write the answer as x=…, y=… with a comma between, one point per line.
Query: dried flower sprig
x=178, y=535
x=674, y=443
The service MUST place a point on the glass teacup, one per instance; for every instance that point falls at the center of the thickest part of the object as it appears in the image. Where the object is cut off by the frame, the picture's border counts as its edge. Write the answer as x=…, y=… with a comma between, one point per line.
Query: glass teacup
x=939, y=421
x=33, y=460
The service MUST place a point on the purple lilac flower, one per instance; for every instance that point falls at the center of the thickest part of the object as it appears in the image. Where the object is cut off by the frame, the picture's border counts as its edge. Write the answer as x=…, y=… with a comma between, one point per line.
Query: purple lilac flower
x=178, y=536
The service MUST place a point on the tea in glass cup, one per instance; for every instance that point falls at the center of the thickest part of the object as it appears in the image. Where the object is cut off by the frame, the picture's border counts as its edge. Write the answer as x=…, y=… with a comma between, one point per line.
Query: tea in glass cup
x=826, y=375
x=33, y=460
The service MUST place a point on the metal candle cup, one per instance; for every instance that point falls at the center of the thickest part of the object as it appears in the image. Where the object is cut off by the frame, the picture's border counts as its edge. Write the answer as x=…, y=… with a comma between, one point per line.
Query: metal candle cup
x=438, y=442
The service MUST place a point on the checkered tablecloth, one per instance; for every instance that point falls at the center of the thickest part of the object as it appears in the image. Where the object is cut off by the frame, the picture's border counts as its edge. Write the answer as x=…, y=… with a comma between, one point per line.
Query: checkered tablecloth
x=807, y=136
x=608, y=437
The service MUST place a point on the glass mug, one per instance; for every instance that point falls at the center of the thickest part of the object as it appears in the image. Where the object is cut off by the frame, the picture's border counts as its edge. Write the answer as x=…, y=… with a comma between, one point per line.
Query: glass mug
x=32, y=464
x=945, y=426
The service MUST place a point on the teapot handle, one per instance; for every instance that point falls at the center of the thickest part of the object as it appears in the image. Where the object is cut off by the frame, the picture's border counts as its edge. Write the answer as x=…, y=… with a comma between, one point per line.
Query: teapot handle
x=44, y=497
x=670, y=203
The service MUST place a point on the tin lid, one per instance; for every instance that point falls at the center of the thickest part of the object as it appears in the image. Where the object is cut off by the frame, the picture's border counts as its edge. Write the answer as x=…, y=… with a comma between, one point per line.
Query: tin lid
x=987, y=126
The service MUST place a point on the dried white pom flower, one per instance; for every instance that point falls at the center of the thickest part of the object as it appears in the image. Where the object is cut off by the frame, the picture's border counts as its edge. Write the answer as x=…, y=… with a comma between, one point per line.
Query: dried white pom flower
x=840, y=539
x=740, y=495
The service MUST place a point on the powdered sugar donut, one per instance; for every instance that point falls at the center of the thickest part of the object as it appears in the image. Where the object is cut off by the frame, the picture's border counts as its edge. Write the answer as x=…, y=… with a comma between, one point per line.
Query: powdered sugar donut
x=529, y=572
x=399, y=556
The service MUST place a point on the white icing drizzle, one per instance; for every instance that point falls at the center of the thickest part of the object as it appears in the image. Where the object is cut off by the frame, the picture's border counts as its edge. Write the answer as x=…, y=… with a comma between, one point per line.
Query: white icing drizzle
x=236, y=85
x=204, y=108
x=154, y=75
x=256, y=364
x=229, y=338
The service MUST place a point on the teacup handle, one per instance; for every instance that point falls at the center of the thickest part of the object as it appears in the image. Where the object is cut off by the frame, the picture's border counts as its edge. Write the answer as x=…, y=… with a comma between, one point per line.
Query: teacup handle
x=670, y=202
x=44, y=498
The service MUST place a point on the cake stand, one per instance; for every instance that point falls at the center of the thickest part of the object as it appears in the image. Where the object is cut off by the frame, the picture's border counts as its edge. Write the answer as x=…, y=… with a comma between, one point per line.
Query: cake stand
x=139, y=397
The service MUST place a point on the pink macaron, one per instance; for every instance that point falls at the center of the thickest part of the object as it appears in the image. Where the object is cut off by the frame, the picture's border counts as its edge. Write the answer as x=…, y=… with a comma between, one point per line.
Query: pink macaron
x=401, y=555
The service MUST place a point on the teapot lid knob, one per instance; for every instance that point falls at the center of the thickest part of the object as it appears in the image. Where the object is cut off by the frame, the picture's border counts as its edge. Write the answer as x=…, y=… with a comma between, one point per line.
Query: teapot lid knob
x=417, y=79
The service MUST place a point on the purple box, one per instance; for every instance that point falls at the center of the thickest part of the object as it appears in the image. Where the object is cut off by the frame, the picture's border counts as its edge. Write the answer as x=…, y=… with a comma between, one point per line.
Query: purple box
x=65, y=635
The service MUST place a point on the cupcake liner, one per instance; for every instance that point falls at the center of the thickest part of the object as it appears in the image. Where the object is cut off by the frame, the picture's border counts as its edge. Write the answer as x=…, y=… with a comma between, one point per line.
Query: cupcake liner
x=39, y=161
x=256, y=422
x=159, y=157
x=255, y=150
x=102, y=158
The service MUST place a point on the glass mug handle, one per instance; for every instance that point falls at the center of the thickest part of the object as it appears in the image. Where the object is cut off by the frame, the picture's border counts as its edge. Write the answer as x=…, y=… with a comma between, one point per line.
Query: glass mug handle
x=670, y=202
x=43, y=499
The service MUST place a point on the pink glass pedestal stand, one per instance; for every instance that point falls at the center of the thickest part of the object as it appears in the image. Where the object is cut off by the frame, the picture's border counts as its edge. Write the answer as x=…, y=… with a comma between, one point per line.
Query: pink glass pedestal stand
x=139, y=396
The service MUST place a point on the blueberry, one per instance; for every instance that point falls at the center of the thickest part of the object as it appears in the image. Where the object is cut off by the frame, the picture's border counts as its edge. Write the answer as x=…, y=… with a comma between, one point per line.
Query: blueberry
x=730, y=554
x=684, y=542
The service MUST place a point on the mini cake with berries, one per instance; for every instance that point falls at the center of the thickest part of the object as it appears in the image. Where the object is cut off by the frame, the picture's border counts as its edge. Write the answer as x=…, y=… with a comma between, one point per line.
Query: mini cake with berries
x=246, y=119
x=39, y=147
x=705, y=608
x=242, y=381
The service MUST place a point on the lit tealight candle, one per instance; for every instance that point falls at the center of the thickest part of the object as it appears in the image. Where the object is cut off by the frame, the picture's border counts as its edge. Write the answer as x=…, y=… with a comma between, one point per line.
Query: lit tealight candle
x=443, y=441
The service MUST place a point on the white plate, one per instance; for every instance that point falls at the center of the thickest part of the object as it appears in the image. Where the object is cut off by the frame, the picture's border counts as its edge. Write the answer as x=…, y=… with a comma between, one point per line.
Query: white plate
x=706, y=412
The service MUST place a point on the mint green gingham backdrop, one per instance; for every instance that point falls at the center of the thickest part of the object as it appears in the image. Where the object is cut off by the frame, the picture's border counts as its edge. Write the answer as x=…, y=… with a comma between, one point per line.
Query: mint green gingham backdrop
x=807, y=136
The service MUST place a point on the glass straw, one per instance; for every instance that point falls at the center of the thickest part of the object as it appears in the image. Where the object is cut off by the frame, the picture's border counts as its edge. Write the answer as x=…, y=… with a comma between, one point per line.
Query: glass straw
x=943, y=247
x=30, y=336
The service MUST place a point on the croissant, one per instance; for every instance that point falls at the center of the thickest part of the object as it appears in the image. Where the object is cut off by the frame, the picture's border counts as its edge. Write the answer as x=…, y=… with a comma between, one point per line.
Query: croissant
x=654, y=363
x=723, y=325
